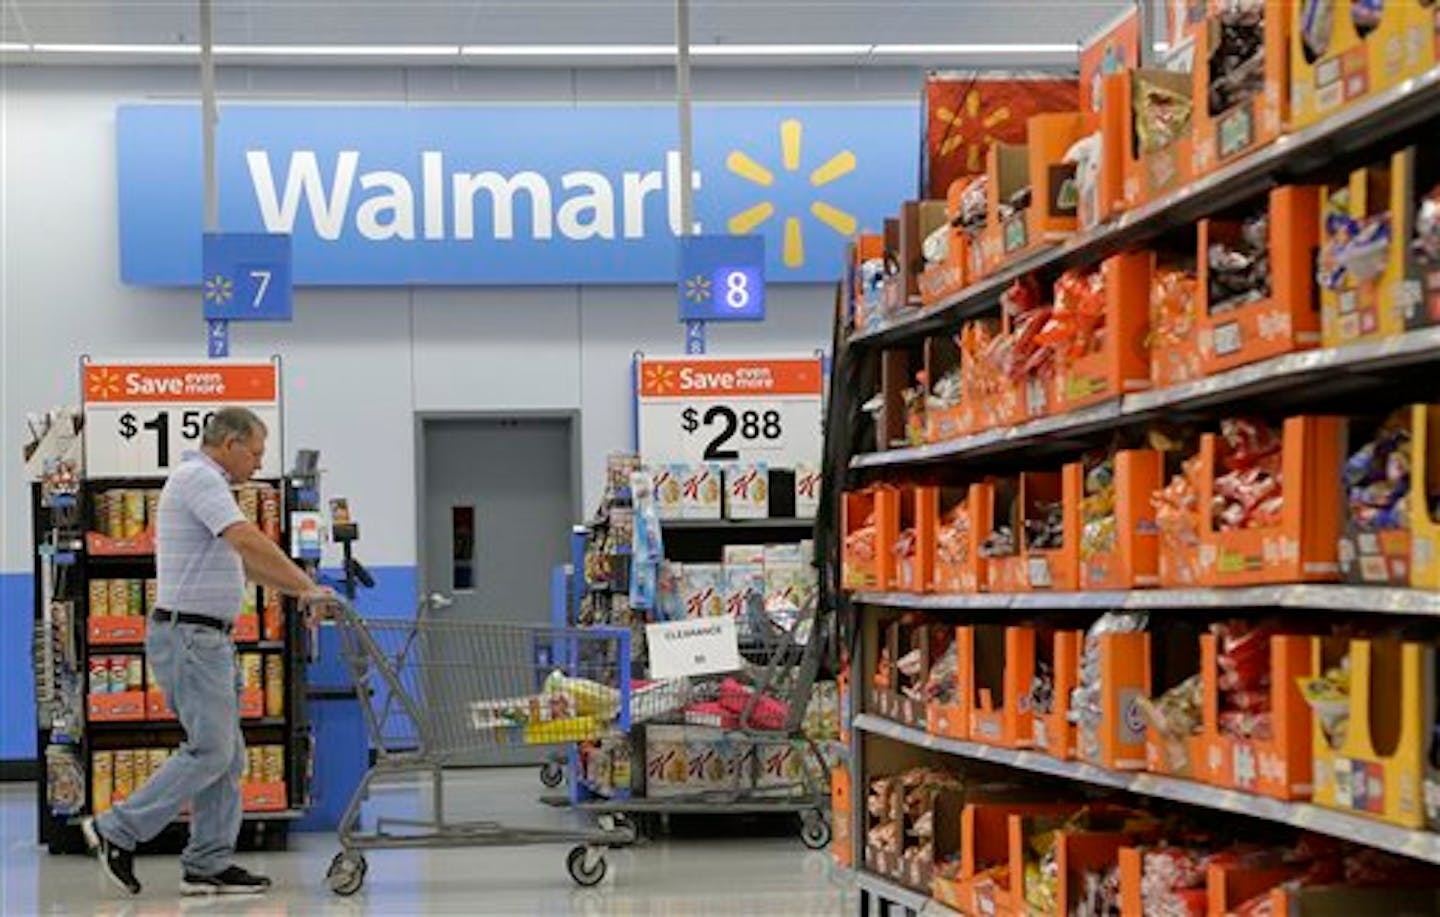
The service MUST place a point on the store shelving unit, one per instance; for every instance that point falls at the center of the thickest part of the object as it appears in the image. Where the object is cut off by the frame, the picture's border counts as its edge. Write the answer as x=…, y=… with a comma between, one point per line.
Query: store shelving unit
x=74, y=528
x=1389, y=372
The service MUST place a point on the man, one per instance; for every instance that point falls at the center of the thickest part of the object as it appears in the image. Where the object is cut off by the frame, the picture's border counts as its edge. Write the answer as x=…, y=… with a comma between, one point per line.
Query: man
x=205, y=550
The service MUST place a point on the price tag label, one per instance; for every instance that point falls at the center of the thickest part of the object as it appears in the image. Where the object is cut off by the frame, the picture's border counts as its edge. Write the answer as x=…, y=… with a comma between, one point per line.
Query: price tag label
x=730, y=410
x=700, y=646
x=140, y=418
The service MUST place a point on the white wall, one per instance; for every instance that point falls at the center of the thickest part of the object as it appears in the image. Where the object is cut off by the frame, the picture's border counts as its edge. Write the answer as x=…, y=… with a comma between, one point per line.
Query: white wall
x=358, y=363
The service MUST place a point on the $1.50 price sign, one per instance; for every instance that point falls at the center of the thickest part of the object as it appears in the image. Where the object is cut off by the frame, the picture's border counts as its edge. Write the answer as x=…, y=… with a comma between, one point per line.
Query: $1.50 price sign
x=140, y=417
x=699, y=409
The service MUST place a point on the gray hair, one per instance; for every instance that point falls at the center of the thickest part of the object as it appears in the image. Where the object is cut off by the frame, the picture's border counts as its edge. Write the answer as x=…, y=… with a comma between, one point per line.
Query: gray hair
x=241, y=423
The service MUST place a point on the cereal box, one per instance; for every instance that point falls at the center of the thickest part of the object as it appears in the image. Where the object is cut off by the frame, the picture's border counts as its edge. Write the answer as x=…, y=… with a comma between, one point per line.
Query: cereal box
x=667, y=482
x=747, y=491
x=668, y=591
x=744, y=592
x=701, y=588
x=743, y=554
x=807, y=490
x=700, y=488
x=666, y=767
x=789, y=579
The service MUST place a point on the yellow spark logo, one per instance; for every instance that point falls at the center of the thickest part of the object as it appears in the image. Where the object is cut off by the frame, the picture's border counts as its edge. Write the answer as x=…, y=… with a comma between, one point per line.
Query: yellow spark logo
x=836, y=167
x=697, y=288
x=659, y=378
x=219, y=289
x=104, y=383
x=971, y=130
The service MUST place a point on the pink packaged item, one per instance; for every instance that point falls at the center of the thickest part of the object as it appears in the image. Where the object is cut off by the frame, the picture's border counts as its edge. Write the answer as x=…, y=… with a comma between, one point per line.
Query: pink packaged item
x=711, y=713
x=769, y=713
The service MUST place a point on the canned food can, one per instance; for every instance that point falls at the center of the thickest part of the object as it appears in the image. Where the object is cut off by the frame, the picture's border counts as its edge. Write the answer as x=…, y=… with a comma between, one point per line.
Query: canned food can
x=152, y=509
x=99, y=598
x=102, y=779
x=119, y=596
x=119, y=674
x=152, y=595
x=274, y=686
x=134, y=513
x=274, y=764
x=135, y=604
x=134, y=674
x=115, y=514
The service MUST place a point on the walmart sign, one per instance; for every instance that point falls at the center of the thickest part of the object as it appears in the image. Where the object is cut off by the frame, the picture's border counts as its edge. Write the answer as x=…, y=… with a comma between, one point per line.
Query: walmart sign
x=391, y=195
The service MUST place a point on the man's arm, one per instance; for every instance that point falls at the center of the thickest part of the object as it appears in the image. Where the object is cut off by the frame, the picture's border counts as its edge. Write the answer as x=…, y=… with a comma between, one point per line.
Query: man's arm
x=267, y=564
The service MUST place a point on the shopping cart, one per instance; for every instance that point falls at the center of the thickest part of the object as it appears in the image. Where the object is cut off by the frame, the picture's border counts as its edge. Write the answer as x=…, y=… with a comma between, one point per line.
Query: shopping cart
x=763, y=757
x=436, y=691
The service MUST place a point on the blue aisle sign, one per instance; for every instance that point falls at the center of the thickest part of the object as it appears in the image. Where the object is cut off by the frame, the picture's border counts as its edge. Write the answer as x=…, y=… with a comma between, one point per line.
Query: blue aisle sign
x=245, y=277
x=722, y=279
x=695, y=338
x=393, y=195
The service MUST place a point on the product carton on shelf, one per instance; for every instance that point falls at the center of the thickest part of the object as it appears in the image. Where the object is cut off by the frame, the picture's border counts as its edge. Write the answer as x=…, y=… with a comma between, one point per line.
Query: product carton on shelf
x=1278, y=766
x=1364, y=296
x=1131, y=559
x=1303, y=545
x=1076, y=853
x=1371, y=552
x=1115, y=737
x=985, y=853
x=842, y=811
x=1375, y=763
x=1040, y=568
x=994, y=399
x=1052, y=732
x=807, y=490
x=1174, y=333
x=996, y=667
x=1341, y=52
x=882, y=857
x=915, y=546
x=668, y=482
x=962, y=520
x=868, y=258
x=950, y=720
x=943, y=279
x=870, y=521
x=1054, y=191
x=1150, y=173
x=1287, y=318
x=945, y=421
x=1418, y=171
x=1006, y=237
x=1224, y=133
x=1424, y=479
x=701, y=489
x=116, y=629
x=747, y=491
x=124, y=706
x=702, y=590
x=1228, y=887
x=895, y=702
x=1116, y=361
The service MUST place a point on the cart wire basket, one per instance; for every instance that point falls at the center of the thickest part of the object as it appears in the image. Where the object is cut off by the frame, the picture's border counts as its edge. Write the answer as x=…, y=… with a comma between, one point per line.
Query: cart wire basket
x=435, y=691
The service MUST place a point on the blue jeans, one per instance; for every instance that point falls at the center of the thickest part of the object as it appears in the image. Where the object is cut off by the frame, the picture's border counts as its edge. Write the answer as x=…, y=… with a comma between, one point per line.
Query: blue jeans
x=195, y=667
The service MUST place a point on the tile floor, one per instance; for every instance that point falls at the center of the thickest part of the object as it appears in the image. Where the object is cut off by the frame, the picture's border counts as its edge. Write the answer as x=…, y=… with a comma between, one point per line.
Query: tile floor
x=678, y=876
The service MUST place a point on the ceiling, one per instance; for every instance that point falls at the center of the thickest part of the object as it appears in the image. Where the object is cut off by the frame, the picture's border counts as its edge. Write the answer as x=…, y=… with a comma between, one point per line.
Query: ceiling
x=434, y=26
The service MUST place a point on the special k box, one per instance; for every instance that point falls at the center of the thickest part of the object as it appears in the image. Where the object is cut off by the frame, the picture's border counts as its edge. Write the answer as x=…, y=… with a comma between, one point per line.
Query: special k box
x=807, y=490
x=747, y=491
x=667, y=483
x=700, y=491
x=702, y=590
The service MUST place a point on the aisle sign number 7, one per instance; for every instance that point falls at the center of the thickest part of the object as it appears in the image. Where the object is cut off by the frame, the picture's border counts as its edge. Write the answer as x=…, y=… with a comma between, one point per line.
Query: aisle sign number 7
x=245, y=277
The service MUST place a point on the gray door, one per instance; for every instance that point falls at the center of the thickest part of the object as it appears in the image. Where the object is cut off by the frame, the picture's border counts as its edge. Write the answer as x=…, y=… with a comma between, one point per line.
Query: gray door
x=499, y=504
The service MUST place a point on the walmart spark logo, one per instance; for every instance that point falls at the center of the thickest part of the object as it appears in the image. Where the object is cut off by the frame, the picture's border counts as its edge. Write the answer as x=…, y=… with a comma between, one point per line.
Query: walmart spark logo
x=697, y=288
x=659, y=379
x=219, y=289
x=834, y=168
x=103, y=383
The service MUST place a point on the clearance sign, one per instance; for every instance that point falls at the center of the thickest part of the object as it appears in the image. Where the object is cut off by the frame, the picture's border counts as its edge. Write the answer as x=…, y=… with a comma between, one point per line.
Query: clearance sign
x=140, y=417
x=699, y=409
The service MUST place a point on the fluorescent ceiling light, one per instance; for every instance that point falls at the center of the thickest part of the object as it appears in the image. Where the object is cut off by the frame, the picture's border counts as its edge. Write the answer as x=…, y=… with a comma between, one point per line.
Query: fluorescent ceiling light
x=339, y=50
x=566, y=50
x=6, y=46
x=115, y=49
x=974, y=49
x=778, y=50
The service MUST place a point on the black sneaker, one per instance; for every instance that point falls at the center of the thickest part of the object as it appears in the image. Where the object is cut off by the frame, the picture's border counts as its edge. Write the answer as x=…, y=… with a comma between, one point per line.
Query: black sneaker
x=117, y=864
x=233, y=881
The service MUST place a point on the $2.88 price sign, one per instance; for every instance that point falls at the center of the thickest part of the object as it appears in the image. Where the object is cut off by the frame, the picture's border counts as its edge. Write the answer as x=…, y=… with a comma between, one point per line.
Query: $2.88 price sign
x=140, y=419
x=701, y=409
x=726, y=423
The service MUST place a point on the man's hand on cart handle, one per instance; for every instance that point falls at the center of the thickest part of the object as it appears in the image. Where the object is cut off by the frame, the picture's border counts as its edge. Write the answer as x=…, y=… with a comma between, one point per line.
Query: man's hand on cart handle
x=320, y=604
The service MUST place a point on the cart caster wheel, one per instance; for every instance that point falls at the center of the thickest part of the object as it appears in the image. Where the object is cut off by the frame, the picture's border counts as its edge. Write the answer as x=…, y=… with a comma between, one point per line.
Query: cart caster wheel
x=346, y=873
x=579, y=871
x=551, y=774
x=815, y=830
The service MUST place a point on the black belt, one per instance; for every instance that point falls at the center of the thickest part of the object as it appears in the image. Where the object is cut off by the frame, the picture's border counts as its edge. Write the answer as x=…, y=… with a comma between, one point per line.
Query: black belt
x=165, y=616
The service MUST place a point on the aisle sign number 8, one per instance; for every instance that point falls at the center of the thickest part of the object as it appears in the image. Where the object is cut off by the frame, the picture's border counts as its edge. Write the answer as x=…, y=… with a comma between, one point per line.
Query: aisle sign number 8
x=740, y=290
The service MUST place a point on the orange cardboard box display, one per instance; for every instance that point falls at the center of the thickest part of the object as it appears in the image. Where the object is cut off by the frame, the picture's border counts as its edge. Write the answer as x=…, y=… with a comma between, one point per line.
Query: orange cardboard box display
x=950, y=720
x=994, y=398
x=939, y=282
x=1117, y=740
x=1115, y=361
x=1303, y=546
x=984, y=849
x=943, y=358
x=1076, y=853
x=1228, y=887
x=995, y=669
x=1424, y=479
x=1132, y=560
x=1224, y=136
x=1053, y=732
x=1174, y=332
x=869, y=562
x=1055, y=196
x=842, y=813
x=864, y=307
x=1280, y=766
x=1152, y=173
x=1286, y=320
x=958, y=566
x=914, y=546
x=1032, y=569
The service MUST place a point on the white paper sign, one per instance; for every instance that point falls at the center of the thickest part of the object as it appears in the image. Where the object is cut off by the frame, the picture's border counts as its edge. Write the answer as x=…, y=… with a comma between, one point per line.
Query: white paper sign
x=731, y=410
x=140, y=417
x=696, y=646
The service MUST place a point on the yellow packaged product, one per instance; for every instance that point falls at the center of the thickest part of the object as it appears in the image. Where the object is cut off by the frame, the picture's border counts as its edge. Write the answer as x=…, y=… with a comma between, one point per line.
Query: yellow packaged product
x=158, y=757
x=102, y=780
x=99, y=598
x=274, y=763
x=134, y=513
x=274, y=686
x=119, y=596
x=124, y=775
